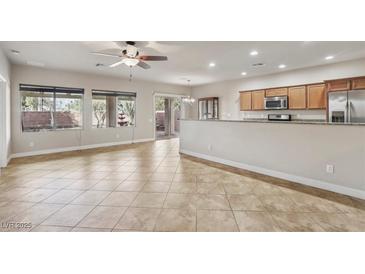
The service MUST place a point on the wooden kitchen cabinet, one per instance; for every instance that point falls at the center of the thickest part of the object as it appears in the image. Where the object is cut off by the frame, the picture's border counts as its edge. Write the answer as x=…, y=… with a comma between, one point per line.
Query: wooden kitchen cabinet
x=276, y=92
x=338, y=85
x=245, y=100
x=258, y=99
x=297, y=97
x=316, y=96
x=358, y=83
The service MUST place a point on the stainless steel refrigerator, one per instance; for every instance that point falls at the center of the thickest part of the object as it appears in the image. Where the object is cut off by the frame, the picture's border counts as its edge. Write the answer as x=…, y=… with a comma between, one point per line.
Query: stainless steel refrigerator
x=346, y=106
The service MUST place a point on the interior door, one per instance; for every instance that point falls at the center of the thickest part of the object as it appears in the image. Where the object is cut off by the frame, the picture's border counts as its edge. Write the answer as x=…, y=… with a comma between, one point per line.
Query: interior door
x=356, y=110
x=3, y=156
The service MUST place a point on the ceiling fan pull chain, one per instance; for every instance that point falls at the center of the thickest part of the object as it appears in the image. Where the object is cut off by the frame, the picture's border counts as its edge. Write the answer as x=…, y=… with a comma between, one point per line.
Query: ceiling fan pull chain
x=130, y=74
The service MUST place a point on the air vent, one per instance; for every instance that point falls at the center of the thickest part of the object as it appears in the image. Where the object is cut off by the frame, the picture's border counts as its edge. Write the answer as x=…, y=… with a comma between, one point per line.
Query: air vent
x=257, y=65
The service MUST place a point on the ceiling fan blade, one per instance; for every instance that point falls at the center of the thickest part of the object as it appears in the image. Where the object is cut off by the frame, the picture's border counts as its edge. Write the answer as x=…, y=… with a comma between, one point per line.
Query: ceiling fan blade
x=143, y=65
x=106, y=54
x=152, y=58
x=116, y=64
x=120, y=44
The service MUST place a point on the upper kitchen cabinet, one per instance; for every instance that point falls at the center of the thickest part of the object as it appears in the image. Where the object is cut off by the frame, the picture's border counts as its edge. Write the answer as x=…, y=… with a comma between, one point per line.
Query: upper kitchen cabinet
x=297, y=97
x=258, y=99
x=338, y=85
x=358, y=83
x=273, y=92
x=245, y=100
x=316, y=96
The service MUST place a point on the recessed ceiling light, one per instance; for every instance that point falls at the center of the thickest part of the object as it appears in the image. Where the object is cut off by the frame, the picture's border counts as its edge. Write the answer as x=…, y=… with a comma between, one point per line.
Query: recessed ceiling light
x=282, y=66
x=329, y=57
x=253, y=53
x=16, y=52
x=35, y=64
x=212, y=65
x=244, y=73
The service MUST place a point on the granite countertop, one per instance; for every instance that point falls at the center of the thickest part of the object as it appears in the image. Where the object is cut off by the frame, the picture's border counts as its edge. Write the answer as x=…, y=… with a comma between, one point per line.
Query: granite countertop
x=304, y=122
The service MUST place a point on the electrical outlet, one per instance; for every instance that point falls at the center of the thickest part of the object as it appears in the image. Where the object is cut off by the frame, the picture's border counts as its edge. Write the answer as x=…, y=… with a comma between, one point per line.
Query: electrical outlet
x=209, y=147
x=31, y=144
x=330, y=169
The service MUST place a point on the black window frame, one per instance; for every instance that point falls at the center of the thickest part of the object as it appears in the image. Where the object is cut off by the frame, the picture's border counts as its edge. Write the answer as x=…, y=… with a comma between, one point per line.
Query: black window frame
x=55, y=90
x=101, y=92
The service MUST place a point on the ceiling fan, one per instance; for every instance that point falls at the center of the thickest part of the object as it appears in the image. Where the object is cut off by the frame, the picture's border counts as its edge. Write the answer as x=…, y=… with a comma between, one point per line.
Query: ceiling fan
x=130, y=56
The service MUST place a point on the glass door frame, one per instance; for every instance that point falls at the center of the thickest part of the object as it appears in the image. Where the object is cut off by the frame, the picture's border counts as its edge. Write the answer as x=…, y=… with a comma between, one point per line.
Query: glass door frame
x=168, y=95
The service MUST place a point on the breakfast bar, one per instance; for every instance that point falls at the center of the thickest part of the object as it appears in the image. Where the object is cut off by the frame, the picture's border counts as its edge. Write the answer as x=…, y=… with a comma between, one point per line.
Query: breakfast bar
x=315, y=153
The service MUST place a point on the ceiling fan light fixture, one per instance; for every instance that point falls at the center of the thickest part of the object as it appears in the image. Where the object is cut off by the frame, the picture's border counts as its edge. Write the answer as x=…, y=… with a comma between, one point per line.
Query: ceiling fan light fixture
x=131, y=51
x=130, y=62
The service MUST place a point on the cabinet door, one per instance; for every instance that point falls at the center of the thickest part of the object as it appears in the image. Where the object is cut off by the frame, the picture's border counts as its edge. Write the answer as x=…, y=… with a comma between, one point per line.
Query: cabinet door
x=358, y=83
x=316, y=96
x=297, y=97
x=258, y=99
x=276, y=92
x=338, y=85
x=245, y=100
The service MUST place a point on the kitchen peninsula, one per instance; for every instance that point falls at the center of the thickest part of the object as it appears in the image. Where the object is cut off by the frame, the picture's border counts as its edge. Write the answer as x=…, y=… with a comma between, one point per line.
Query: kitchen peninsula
x=319, y=154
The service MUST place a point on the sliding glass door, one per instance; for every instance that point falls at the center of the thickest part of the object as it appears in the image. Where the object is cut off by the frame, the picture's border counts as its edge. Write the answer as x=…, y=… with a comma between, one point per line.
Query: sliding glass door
x=167, y=117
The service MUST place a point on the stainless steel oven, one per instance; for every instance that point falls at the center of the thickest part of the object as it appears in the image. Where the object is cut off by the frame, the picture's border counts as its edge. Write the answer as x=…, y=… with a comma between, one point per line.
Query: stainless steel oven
x=280, y=102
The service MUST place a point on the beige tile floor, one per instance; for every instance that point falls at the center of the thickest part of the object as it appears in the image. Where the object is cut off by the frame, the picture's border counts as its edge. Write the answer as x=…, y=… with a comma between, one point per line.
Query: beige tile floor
x=150, y=187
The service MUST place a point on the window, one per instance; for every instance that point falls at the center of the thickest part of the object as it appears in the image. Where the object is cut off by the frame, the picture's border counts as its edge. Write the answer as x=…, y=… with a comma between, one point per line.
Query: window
x=50, y=108
x=113, y=108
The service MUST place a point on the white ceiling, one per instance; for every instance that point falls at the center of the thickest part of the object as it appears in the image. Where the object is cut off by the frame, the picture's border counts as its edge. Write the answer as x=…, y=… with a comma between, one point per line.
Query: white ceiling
x=187, y=60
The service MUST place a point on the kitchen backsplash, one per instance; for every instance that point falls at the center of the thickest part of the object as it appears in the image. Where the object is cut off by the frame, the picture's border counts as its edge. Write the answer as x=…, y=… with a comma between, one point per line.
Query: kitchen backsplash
x=296, y=114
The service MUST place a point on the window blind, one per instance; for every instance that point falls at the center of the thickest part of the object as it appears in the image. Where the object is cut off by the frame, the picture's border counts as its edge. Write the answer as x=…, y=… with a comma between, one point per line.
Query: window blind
x=39, y=88
x=113, y=93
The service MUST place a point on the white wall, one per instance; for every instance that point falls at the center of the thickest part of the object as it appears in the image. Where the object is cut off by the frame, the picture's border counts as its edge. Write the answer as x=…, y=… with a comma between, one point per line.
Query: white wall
x=297, y=152
x=227, y=91
x=5, y=128
x=88, y=136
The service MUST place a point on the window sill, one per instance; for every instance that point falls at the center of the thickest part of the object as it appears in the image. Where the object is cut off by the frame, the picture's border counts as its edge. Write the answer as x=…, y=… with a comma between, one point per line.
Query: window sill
x=55, y=130
x=112, y=127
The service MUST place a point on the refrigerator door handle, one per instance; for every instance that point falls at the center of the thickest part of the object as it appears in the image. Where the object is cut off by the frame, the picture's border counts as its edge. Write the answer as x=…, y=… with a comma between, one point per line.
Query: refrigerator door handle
x=349, y=111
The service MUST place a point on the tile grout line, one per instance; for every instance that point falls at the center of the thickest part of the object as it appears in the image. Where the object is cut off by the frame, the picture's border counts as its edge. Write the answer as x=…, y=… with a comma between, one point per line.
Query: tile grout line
x=133, y=158
x=163, y=204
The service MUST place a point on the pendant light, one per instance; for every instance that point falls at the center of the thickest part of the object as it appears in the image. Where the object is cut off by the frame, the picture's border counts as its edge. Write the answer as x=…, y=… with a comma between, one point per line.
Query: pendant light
x=189, y=100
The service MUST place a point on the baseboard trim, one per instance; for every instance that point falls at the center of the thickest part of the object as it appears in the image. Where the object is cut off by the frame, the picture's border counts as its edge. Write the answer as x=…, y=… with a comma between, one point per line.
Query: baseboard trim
x=290, y=177
x=73, y=148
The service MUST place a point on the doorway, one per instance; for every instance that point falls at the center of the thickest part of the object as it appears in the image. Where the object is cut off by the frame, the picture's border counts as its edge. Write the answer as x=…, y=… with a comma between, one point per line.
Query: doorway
x=3, y=129
x=167, y=116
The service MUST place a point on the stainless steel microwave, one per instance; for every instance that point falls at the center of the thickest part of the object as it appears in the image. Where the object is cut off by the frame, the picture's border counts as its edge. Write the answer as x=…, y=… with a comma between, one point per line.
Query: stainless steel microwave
x=280, y=102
